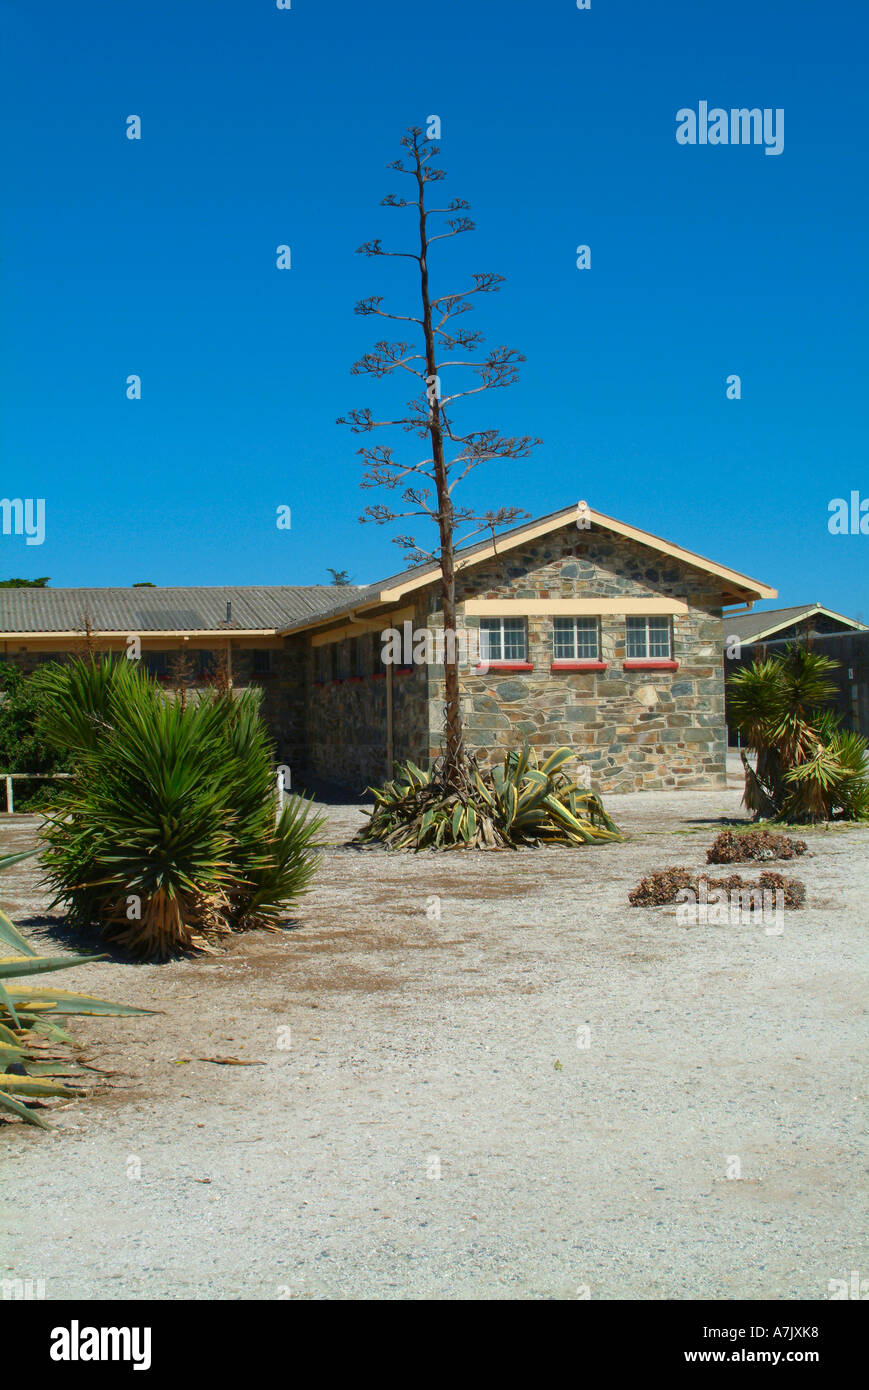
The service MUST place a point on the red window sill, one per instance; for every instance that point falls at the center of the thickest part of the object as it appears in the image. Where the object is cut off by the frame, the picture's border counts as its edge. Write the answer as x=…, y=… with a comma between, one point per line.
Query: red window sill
x=378, y=675
x=356, y=678
x=650, y=665
x=403, y=670
x=507, y=666
x=578, y=666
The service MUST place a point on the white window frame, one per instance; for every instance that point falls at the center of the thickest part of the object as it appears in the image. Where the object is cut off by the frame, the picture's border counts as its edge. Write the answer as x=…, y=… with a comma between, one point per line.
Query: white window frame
x=637, y=626
x=558, y=629
x=497, y=625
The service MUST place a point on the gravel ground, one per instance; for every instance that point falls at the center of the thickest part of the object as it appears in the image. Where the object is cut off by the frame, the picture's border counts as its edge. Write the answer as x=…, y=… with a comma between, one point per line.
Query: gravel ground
x=429, y=1127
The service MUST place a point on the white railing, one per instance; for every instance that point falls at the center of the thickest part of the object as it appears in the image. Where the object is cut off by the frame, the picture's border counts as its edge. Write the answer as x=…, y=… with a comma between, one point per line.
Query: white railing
x=9, y=778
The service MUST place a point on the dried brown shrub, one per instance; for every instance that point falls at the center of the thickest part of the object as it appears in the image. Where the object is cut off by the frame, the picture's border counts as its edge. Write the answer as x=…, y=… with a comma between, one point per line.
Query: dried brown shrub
x=794, y=888
x=732, y=848
x=660, y=887
x=663, y=886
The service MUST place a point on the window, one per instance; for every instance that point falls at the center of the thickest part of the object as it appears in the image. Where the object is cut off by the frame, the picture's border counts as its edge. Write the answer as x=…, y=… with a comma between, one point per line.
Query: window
x=155, y=663
x=648, y=639
x=361, y=651
x=262, y=662
x=575, y=639
x=502, y=639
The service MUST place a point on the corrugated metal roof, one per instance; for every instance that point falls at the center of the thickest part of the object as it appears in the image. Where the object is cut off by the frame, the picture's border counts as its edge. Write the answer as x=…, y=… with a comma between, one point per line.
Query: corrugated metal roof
x=261, y=608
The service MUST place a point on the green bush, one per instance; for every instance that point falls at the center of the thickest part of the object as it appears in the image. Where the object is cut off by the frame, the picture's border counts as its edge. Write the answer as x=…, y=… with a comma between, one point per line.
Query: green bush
x=166, y=835
x=807, y=768
x=24, y=745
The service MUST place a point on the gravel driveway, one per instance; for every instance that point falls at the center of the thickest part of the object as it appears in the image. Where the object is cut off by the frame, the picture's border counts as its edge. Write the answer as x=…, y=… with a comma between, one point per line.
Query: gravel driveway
x=426, y=1119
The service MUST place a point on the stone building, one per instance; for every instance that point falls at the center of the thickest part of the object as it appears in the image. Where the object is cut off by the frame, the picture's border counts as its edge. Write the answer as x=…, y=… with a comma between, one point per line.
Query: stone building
x=573, y=629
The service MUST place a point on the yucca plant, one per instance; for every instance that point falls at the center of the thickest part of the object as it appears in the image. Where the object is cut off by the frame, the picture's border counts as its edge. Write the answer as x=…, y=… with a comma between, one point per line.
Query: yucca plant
x=30, y=1068
x=518, y=803
x=166, y=836
x=807, y=768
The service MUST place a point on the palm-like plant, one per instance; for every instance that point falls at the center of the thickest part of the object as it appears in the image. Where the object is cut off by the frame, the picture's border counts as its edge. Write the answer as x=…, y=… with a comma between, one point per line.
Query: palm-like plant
x=30, y=1067
x=166, y=834
x=806, y=768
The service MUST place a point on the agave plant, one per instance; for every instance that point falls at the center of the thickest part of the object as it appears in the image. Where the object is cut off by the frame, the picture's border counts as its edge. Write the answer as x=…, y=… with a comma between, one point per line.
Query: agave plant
x=29, y=1072
x=807, y=768
x=165, y=836
x=517, y=803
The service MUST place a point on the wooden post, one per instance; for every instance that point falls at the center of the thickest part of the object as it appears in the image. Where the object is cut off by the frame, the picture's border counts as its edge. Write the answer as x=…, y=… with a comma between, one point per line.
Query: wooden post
x=389, y=739
x=10, y=800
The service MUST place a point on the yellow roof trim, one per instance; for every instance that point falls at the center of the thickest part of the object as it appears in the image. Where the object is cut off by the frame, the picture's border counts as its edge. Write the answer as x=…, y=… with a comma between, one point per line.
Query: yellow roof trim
x=732, y=578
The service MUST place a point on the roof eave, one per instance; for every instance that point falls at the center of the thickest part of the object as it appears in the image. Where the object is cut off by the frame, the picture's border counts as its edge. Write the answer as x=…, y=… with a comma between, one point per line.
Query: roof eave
x=735, y=587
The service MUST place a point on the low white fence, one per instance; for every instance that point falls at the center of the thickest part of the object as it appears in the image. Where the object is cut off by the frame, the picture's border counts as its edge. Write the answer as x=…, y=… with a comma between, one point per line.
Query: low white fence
x=9, y=778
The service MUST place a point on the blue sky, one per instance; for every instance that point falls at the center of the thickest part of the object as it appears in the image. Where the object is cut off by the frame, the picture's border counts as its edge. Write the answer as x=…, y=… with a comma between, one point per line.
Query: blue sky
x=262, y=127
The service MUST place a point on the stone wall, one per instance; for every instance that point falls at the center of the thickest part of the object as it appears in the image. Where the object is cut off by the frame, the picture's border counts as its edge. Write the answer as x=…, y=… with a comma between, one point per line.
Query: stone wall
x=346, y=718
x=634, y=729
x=284, y=699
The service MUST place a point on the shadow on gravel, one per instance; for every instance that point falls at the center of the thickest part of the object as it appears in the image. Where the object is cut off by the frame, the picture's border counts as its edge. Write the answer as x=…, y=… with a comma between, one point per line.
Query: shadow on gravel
x=89, y=941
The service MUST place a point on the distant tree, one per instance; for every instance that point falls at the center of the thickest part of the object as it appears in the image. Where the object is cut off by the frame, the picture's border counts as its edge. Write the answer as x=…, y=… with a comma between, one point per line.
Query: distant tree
x=339, y=576
x=23, y=583
x=182, y=674
x=143, y=584
x=430, y=415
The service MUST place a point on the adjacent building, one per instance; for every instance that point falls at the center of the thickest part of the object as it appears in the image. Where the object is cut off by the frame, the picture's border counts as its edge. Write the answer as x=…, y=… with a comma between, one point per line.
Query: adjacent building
x=753, y=636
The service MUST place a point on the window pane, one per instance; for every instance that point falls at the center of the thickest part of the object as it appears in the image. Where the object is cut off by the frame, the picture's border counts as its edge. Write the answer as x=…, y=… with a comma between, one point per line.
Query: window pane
x=490, y=639
x=635, y=648
x=564, y=639
x=659, y=638
x=586, y=639
x=155, y=663
x=514, y=639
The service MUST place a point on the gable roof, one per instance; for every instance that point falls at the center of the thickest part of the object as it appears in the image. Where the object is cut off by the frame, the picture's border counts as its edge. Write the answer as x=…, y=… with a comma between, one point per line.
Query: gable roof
x=269, y=610
x=735, y=587
x=754, y=627
x=259, y=609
